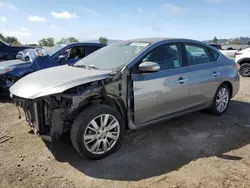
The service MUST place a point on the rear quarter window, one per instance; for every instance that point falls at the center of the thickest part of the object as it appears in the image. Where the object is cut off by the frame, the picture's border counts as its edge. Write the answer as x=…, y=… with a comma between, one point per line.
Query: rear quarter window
x=214, y=55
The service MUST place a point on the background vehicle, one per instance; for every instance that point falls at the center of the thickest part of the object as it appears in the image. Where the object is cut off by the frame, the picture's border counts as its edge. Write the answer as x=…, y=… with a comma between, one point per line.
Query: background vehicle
x=8, y=52
x=228, y=53
x=218, y=46
x=126, y=85
x=243, y=59
x=32, y=60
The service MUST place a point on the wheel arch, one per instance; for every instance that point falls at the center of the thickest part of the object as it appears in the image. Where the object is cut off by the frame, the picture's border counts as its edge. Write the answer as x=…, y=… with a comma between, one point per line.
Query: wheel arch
x=230, y=86
x=112, y=101
x=244, y=60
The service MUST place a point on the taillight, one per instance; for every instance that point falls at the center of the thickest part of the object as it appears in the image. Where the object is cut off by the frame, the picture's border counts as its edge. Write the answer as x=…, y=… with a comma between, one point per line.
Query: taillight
x=237, y=66
x=236, y=53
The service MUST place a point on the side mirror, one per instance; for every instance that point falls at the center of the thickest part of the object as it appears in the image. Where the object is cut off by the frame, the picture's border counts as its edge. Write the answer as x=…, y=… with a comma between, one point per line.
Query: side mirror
x=149, y=66
x=61, y=58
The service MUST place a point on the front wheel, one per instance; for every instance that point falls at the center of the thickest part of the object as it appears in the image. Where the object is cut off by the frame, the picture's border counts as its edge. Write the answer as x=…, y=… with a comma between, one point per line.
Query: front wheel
x=245, y=70
x=221, y=100
x=97, y=131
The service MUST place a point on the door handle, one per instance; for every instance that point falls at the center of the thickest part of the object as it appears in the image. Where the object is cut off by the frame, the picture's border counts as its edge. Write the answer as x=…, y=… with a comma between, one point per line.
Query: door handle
x=181, y=80
x=215, y=74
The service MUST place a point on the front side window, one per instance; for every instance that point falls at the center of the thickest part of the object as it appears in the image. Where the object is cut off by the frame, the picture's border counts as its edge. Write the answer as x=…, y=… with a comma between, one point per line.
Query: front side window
x=76, y=52
x=167, y=56
x=197, y=54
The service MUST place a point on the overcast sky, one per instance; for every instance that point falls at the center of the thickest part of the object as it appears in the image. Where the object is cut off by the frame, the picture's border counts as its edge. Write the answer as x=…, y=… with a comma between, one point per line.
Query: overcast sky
x=31, y=20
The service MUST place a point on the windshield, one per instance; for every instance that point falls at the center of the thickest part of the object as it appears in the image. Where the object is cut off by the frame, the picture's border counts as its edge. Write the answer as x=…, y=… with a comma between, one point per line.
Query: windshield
x=113, y=56
x=54, y=49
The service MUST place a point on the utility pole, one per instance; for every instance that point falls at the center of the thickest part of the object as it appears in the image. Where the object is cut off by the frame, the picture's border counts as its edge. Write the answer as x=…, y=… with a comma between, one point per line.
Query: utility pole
x=7, y=29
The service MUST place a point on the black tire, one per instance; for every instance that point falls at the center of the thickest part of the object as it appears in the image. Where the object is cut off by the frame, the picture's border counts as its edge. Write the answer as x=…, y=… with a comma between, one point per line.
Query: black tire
x=81, y=122
x=213, y=109
x=242, y=72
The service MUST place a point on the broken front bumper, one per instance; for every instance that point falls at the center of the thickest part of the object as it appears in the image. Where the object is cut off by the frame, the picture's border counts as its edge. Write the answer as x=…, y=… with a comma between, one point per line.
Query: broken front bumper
x=34, y=114
x=45, y=120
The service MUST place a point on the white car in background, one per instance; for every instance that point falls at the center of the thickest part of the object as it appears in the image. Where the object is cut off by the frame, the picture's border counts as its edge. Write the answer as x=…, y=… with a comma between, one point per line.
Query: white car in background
x=230, y=53
x=243, y=59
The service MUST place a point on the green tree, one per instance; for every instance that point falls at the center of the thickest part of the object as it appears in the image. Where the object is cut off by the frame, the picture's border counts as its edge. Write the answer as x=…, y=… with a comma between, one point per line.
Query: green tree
x=12, y=40
x=72, y=39
x=67, y=40
x=63, y=41
x=2, y=37
x=215, y=40
x=47, y=42
x=103, y=40
x=43, y=42
x=51, y=41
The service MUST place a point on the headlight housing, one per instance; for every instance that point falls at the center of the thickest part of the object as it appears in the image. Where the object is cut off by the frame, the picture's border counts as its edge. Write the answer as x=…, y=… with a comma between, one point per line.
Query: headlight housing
x=6, y=69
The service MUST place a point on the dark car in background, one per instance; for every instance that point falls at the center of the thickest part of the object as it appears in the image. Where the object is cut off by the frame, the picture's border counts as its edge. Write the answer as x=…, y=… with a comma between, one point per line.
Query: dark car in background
x=31, y=60
x=218, y=46
x=9, y=52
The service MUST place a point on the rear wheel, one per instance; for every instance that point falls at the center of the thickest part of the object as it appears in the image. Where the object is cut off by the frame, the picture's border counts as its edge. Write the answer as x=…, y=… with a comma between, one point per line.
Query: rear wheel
x=245, y=70
x=97, y=131
x=221, y=100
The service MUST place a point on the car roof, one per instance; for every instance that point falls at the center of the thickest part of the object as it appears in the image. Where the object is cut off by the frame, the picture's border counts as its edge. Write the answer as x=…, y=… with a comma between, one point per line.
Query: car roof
x=83, y=43
x=153, y=40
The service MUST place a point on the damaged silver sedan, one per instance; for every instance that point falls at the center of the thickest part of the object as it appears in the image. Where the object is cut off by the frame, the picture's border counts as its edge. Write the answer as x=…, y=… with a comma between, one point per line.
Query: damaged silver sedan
x=125, y=86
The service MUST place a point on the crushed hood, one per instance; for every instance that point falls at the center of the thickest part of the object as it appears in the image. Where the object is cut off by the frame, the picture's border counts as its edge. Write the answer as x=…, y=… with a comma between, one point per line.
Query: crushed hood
x=4, y=64
x=55, y=80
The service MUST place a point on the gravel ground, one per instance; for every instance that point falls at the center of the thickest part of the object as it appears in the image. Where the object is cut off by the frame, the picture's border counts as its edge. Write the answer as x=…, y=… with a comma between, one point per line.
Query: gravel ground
x=197, y=150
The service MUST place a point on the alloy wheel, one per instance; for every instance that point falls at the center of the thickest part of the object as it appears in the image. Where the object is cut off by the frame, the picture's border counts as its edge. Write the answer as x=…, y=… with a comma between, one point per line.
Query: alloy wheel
x=222, y=99
x=245, y=70
x=101, y=134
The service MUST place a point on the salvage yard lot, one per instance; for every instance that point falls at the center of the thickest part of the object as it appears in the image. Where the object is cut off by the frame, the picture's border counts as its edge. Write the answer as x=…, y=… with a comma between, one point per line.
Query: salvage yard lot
x=197, y=150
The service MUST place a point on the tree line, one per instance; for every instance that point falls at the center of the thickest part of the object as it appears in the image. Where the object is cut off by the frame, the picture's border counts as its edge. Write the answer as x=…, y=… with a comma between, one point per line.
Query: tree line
x=50, y=41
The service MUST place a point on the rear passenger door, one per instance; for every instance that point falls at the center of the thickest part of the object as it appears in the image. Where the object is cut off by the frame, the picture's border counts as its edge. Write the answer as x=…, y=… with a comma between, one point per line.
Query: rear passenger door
x=203, y=73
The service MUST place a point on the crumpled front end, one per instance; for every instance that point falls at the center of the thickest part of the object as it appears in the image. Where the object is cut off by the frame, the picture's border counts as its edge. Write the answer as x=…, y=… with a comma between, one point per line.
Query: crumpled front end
x=42, y=113
x=53, y=115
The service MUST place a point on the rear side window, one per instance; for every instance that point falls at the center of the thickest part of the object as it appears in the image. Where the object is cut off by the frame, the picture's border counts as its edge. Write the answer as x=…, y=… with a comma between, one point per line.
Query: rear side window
x=91, y=49
x=214, y=55
x=197, y=54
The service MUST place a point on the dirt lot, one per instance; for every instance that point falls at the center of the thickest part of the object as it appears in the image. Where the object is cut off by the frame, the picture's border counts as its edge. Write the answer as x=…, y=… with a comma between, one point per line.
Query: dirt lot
x=197, y=150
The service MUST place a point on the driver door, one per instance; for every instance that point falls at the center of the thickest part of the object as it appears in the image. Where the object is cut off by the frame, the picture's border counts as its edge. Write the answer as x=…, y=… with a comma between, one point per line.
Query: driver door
x=162, y=93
